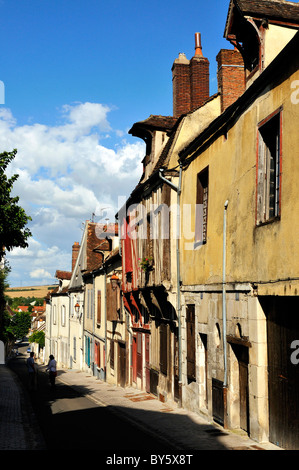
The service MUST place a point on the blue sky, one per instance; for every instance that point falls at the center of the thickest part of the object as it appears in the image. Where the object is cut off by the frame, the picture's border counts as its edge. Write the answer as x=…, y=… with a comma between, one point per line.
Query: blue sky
x=77, y=75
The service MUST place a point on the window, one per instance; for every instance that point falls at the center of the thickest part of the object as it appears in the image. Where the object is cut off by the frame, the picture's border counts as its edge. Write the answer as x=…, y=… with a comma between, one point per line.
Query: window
x=89, y=309
x=201, y=218
x=99, y=308
x=54, y=314
x=269, y=169
x=74, y=348
x=63, y=315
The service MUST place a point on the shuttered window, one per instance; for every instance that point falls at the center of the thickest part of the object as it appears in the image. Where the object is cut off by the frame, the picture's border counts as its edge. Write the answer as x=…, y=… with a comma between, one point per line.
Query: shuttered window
x=269, y=169
x=191, y=358
x=113, y=302
x=99, y=307
x=201, y=218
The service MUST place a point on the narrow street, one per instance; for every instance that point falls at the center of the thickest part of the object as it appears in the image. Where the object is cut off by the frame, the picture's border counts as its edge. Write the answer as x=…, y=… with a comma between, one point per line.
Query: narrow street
x=70, y=420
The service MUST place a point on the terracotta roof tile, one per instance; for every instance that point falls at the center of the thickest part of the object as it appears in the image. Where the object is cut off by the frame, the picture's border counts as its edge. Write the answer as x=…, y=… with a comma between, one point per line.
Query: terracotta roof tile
x=64, y=275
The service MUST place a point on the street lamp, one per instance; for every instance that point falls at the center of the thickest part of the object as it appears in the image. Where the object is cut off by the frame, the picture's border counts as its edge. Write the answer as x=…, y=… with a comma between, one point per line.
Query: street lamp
x=77, y=308
x=114, y=280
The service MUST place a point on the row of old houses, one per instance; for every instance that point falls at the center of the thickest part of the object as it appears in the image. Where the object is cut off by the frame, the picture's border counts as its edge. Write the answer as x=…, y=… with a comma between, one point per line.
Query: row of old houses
x=192, y=294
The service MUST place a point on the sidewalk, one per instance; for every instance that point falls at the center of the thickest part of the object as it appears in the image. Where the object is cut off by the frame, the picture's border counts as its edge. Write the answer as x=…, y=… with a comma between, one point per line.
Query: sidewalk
x=18, y=426
x=181, y=429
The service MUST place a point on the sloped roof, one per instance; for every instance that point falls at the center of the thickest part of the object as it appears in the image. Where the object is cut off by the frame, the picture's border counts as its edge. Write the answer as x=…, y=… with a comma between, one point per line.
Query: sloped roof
x=270, y=9
x=286, y=61
x=275, y=10
x=58, y=291
x=63, y=275
x=153, y=122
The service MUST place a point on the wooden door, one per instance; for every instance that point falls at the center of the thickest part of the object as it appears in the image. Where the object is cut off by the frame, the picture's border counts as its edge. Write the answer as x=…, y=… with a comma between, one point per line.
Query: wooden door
x=121, y=364
x=191, y=347
x=243, y=359
x=242, y=356
x=176, y=368
x=283, y=372
x=204, y=340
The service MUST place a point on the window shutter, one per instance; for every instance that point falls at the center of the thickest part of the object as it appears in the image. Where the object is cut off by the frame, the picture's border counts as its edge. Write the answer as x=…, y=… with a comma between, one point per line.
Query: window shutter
x=112, y=303
x=99, y=307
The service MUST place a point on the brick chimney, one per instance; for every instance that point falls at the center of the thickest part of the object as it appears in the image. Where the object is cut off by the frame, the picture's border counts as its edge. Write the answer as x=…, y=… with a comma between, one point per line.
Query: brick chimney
x=190, y=80
x=231, y=76
x=75, y=252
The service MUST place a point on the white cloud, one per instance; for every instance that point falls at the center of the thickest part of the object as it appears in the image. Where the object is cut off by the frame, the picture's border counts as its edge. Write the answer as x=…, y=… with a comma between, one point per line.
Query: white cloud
x=66, y=173
x=40, y=274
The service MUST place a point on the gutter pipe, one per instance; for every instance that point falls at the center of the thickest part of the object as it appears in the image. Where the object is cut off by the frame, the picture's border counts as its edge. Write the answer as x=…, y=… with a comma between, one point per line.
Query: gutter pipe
x=224, y=312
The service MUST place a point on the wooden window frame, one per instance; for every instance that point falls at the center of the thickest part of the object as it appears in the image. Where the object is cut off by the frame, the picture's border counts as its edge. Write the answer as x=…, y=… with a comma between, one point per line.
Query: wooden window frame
x=269, y=168
x=202, y=204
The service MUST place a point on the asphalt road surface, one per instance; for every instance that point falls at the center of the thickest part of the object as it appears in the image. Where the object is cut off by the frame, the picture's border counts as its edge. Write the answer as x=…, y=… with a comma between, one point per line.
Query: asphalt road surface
x=71, y=421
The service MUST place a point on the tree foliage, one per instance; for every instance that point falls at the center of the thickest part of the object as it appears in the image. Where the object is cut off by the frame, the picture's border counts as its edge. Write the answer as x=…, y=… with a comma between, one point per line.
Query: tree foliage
x=13, y=218
x=20, y=324
x=4, y=317
x=37, y=337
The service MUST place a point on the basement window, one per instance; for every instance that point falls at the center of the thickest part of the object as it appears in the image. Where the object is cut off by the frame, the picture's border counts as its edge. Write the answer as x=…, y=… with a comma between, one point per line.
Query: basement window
x=269, y=169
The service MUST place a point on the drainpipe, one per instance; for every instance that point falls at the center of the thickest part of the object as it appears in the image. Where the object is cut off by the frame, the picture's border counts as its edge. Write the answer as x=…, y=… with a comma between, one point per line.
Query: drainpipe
x=224, y=314
x=178, y=189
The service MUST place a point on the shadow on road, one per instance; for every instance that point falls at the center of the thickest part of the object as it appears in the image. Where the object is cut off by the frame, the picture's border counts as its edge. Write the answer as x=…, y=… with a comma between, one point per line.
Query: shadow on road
x=68, y=419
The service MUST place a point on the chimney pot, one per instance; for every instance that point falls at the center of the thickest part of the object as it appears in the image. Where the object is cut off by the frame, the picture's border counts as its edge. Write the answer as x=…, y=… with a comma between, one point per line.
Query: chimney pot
x=198, y=47
x=190, y=80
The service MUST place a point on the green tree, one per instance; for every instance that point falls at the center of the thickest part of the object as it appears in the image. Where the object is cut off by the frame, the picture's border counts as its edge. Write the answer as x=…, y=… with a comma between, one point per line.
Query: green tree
x=13, y=218
x=13, y=222
x=3, y=285
x=37, y=337
x=20, y=324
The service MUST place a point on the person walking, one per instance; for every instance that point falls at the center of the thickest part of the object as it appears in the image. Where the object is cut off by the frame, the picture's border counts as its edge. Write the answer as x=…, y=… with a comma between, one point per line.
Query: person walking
x=52, y=370
x=31, y=366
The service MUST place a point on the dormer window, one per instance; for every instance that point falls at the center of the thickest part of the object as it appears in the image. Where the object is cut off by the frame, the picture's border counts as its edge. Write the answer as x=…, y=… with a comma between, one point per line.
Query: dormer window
x=247, y=38
x=250, y=49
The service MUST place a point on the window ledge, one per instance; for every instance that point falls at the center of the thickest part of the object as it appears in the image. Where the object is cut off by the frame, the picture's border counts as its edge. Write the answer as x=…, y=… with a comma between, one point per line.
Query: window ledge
x=269, y=221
